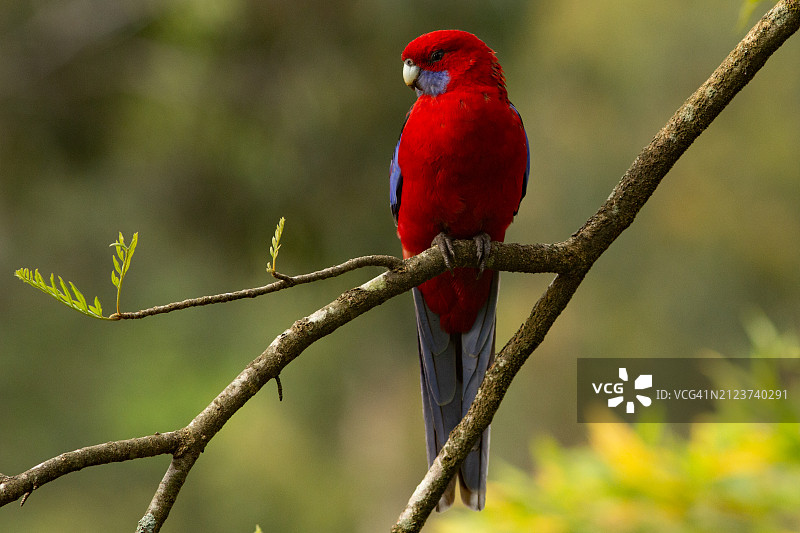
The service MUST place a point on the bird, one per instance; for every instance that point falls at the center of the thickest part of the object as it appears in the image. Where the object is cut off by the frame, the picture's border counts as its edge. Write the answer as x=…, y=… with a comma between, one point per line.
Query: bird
x=459, y=171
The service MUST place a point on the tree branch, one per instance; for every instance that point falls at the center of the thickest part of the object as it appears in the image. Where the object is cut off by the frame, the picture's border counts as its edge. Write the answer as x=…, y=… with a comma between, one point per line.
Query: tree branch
x=187, y=443
x=167, y=492
x=552, y=258
x=594, y=238
x=13, y=488
x=284, y=282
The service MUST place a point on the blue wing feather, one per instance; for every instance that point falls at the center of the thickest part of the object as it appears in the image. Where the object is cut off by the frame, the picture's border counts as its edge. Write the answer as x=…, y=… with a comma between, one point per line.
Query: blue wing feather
x=528, y=166
x=395, y=183
x=396, y=178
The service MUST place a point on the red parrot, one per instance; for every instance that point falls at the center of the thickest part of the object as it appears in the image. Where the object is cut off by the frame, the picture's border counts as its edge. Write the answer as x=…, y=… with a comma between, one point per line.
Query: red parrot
x=461, y=169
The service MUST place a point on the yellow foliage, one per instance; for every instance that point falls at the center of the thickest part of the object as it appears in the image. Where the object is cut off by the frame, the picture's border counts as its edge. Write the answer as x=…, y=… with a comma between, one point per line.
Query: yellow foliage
x=722, y=477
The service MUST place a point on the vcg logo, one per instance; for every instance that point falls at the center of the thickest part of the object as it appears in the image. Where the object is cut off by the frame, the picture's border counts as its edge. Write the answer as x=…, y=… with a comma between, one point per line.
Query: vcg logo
x=644, y=381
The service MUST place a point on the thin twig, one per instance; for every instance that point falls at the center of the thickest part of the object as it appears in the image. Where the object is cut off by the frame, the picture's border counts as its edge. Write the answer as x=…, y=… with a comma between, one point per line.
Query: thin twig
x=284, y=282
x=283, y=277
x=531, y=258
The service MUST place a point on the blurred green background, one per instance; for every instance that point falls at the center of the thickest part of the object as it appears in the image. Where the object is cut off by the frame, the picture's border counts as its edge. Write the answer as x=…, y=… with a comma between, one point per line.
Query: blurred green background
x=198, y=123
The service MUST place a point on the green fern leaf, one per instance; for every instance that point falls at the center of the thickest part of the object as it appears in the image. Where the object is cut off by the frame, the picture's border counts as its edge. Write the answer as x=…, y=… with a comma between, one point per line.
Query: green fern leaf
x=96, y=309
x=81, y=301
x=125, y=253
x=132, y=248
x=64, y=294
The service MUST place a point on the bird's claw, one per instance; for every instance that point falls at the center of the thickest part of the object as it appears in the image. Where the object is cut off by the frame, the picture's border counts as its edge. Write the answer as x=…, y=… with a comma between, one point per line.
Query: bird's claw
x=484, y=244
x=445, y=245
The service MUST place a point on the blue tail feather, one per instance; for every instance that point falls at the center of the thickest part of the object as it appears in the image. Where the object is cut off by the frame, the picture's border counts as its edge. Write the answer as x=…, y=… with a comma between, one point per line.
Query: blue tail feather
x=452, y=367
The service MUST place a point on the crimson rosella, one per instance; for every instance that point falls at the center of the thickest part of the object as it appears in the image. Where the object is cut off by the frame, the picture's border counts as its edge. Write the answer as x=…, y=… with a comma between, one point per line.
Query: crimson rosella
x=461, y=169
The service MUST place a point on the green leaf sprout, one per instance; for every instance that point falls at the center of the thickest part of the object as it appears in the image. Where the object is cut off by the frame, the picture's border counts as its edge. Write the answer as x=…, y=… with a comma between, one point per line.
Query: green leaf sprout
x=70, y=295
x=276, y=246
x=124, y=253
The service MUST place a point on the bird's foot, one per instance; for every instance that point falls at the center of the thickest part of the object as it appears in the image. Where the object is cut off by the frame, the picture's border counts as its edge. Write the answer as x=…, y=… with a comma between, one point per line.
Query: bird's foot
x=445, y=245
x=484, y=244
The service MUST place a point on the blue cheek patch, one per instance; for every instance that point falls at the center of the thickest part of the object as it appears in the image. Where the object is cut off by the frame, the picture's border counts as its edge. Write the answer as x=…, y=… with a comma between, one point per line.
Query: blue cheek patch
x=432, y=83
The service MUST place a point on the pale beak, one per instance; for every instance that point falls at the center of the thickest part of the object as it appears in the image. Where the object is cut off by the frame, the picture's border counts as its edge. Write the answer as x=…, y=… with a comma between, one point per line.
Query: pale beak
x=410, y=73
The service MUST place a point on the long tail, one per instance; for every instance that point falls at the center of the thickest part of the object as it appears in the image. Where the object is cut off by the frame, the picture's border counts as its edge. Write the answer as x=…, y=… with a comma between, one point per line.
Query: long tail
x=452, y=367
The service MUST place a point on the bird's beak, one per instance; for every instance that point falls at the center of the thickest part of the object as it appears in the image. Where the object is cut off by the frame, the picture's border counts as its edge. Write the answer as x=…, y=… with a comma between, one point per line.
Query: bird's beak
x=410, y=73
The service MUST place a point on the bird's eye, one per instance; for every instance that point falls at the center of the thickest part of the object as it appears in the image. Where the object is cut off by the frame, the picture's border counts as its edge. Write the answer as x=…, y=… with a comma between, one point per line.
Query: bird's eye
x=436, y=55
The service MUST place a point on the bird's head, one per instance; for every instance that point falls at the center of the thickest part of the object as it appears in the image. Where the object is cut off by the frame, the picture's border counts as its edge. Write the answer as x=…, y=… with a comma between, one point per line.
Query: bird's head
x=443, y=60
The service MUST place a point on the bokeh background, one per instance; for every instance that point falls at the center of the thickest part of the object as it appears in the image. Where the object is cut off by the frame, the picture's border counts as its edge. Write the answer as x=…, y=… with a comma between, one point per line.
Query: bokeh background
x=198, y=123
